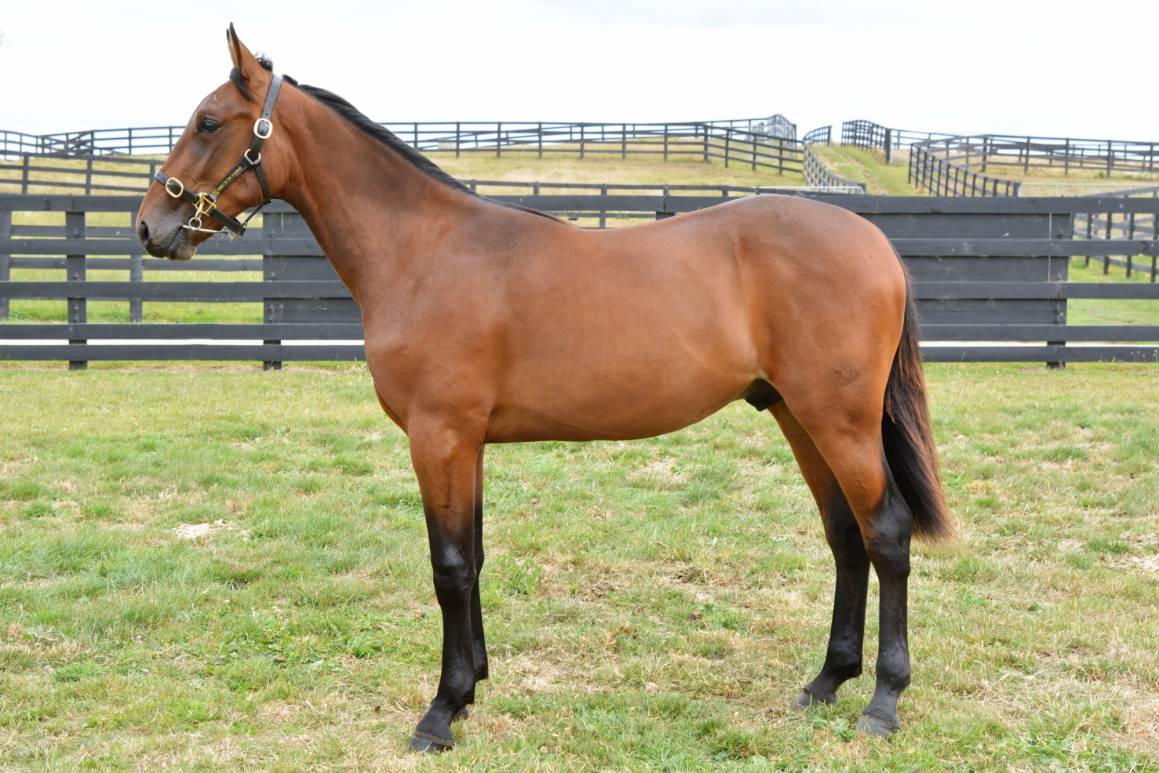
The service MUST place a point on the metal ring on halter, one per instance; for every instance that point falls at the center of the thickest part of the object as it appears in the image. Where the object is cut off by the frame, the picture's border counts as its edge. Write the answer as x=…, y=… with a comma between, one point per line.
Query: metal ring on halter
x=253, y=162
x=195, y=223
x=269, y=128
x=180, y=187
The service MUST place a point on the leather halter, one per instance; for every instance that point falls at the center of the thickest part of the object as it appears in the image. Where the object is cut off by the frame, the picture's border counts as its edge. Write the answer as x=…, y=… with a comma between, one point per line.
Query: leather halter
x=205, y=203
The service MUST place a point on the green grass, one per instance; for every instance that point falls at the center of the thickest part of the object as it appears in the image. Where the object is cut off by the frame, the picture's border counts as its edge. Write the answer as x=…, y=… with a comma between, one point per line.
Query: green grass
x=1101, y=311
x=609, y=168
x=650, y=605
x=869, y=167
x=601, y=164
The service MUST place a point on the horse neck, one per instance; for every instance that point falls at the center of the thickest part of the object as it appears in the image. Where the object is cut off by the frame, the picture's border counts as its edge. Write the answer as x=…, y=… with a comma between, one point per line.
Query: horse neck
x=371, y=210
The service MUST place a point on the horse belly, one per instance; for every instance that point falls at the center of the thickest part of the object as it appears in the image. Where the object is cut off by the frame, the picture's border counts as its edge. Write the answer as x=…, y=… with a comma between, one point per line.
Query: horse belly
x=620, y=398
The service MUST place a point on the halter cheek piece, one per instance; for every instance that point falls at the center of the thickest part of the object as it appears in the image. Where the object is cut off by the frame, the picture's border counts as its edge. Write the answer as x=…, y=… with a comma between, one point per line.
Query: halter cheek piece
x=205, y=204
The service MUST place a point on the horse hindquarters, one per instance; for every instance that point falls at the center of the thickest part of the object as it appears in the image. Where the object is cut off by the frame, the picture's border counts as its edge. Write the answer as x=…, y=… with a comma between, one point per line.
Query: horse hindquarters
x=878, y=467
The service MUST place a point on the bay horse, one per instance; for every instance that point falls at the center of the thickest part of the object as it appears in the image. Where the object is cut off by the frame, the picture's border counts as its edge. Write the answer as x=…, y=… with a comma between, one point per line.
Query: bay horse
x=486, y=323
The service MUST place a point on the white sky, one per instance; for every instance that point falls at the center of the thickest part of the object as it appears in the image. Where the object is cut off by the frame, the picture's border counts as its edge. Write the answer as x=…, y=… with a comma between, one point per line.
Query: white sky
x=1058, y=68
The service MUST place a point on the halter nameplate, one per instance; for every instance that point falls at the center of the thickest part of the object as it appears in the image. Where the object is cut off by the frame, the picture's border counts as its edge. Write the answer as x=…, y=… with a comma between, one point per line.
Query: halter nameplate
x=205, y=203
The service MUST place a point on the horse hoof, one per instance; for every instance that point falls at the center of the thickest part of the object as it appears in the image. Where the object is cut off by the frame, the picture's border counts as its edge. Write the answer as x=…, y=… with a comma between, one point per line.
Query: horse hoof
x=876, y=726
x=807, y=699
x=463, y=713
x=427, y=743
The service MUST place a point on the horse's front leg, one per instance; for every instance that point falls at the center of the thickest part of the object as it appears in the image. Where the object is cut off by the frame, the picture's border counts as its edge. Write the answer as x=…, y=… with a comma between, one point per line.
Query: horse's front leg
x=446, y=462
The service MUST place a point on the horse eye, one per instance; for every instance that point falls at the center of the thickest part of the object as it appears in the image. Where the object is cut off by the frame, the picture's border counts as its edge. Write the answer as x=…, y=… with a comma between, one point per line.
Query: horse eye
x=208, y=126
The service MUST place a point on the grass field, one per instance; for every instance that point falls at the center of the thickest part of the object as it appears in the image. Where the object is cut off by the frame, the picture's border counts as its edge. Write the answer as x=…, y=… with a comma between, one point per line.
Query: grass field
x=601, y=164
x=651, y=605
x=868, y=166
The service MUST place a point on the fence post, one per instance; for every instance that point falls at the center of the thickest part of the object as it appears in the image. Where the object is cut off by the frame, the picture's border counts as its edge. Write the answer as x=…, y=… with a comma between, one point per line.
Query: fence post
x=604, y=206
x=273, y=225
x=623, y=141
x=499, y=139
x=665, y=142
x=1058, y=270
x=1154, y=236
x=727, y=141
x=89, y=176
x=706, y=143
x=1090, y=229
x=581, y=141
x=24, y=175
x=74, y=228
x=458, y=138
x=136, y=276
x=888, y=145
x=6, y=260
x=539, y=139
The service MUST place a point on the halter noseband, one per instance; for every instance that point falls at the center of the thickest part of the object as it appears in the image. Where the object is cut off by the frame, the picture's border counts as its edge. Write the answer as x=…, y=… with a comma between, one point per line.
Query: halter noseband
x=205, y=204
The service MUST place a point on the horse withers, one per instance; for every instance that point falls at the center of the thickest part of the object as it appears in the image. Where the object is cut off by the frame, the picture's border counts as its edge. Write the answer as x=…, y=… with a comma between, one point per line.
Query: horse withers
x=486, y=323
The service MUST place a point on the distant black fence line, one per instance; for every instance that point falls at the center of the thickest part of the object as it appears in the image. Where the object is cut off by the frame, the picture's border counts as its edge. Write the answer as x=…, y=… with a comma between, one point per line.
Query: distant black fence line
x=935, y=166
x=423, y=135
x=990, y=273
x=860, y=133
x=1123, y=225
x=747, y=143
x=958, y=165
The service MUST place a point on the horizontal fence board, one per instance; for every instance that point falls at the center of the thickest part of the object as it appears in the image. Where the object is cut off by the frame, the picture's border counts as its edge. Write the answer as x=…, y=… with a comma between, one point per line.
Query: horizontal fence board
x=258, y=291
x=936, y=268
x=331, y=311
x=283, y=331
x=288, y=246
x=912, y=225
x=970, y=311
x=1040, y=353
x=1015, y=332
x=226, y=292
x=355, y=352
x=263, y=352
x=862, y=204
x=147, y=264
x=219, y=330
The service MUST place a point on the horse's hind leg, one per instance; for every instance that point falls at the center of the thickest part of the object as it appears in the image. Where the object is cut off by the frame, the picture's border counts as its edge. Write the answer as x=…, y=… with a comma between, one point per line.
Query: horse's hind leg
x=845, y=426
x=843, y=655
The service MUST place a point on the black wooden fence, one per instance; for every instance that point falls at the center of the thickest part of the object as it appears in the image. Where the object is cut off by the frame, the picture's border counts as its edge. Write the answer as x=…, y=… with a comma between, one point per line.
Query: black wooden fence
x=102, y=163
x=991, y=279
x=1129, y=225
x=860, y=133
x=942, y=167
x=423, y=135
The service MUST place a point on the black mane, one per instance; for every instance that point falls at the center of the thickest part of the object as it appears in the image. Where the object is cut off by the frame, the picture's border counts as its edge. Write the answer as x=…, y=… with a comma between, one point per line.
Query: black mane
x=375, y=130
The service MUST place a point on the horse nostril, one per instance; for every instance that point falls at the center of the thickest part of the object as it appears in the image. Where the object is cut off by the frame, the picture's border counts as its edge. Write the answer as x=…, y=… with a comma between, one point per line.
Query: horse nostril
x=143, y=232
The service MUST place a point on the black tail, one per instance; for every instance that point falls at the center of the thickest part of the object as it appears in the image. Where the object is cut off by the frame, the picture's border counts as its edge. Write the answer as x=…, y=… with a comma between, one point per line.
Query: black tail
x=907, y=436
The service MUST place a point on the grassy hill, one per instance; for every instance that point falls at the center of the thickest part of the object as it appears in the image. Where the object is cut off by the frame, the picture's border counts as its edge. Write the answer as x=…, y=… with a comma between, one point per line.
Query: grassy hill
x=869, y=166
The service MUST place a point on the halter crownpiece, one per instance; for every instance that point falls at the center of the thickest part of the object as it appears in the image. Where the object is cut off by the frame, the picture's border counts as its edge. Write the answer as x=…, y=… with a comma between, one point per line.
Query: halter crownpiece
x=205, y=203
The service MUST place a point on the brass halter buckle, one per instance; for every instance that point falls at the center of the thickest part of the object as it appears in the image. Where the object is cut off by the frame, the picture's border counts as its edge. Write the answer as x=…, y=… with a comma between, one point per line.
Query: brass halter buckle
x=174, y=192
x=204, y=206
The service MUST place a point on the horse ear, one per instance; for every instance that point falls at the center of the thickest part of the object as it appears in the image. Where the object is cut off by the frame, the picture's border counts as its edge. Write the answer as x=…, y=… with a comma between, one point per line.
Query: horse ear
x=245, y=62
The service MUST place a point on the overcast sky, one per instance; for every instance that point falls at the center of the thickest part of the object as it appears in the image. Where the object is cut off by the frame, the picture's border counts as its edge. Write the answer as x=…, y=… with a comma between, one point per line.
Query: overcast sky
x=1058, y=68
